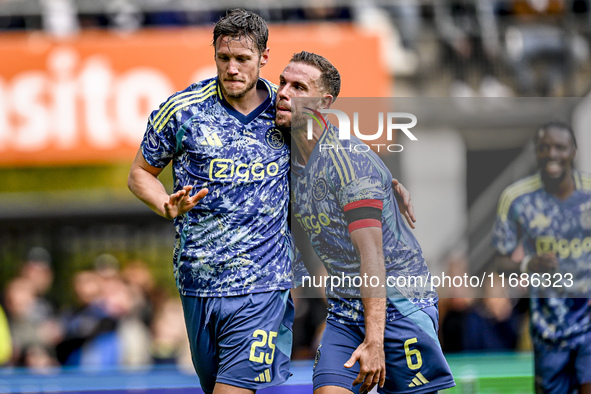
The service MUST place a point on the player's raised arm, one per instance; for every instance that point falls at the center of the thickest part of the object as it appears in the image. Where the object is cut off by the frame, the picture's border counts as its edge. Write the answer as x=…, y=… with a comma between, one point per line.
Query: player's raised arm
x=370, y=354
x=143, y=182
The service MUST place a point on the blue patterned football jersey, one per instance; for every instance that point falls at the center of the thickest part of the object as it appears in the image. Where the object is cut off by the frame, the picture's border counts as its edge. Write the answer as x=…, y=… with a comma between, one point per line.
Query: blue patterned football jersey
x=338, y=175
x=542, y=223
x=236, y=240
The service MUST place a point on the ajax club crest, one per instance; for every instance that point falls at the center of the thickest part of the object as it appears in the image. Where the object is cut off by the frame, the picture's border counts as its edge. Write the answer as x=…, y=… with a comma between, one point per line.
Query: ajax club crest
x=274, y=139
x=320, y=189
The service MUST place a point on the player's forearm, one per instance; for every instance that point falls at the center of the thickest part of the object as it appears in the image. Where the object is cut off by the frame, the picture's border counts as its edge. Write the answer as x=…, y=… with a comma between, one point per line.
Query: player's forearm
x=374, y=313
x=374, y=297
x=372, y=266
x=371, y=254
x=148, y=189
x=368, y=243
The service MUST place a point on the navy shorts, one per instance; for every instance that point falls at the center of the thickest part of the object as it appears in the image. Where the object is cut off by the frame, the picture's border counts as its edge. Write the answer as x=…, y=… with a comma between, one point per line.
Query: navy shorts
x=243, y=341
x=414, y=359
x=562, y=371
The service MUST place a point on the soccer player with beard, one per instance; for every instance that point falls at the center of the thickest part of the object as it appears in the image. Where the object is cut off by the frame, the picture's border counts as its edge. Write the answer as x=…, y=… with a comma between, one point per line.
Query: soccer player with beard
x=343, y=200
x=549, y=213
x=233, y=249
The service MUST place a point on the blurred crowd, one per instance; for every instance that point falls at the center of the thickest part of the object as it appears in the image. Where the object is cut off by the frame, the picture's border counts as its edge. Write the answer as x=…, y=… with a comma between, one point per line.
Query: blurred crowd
x=116, y=317
x=487, y=319
x=491, y=47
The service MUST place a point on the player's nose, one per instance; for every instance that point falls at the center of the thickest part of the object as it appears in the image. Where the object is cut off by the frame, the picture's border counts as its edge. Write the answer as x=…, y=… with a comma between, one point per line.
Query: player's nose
x=282, y=94
x=232, y=67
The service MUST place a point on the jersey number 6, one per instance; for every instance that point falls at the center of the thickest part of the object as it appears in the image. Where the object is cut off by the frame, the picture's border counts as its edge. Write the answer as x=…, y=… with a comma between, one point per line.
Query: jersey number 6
x=412, y=352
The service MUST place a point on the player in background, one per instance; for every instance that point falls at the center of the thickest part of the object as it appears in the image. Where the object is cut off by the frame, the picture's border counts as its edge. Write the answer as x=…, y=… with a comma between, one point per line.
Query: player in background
x=344, y=201
x=549, y=213
x=233, y=250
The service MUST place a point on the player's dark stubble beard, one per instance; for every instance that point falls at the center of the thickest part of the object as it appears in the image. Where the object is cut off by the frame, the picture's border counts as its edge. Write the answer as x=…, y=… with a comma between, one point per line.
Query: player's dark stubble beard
x=241, y=93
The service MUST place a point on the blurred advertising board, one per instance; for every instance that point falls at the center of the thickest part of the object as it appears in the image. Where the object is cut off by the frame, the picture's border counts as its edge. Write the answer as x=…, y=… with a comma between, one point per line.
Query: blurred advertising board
x=86, y=99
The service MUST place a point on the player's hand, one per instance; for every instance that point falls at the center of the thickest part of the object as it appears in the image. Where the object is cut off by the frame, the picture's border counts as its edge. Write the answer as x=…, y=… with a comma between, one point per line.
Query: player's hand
x=404, y=203
x=545, y=263
x=372, y=365
x=182, y=202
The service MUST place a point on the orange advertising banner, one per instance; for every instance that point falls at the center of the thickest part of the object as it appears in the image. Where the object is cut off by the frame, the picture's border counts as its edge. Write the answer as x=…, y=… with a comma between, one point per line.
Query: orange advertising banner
x=87, y=99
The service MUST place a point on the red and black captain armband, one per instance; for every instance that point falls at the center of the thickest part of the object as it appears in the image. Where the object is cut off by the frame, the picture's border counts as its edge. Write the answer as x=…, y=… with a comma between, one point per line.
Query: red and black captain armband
x=364, y=213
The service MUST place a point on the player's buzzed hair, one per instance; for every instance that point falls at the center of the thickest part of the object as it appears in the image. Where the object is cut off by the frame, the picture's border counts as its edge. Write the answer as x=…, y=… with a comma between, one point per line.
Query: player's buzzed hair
x=330, y=79
x=239, y=23
x=555, y=125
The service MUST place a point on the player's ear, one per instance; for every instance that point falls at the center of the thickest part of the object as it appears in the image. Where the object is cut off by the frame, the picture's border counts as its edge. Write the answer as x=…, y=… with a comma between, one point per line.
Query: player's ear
x=264, y=57
x=327, y=101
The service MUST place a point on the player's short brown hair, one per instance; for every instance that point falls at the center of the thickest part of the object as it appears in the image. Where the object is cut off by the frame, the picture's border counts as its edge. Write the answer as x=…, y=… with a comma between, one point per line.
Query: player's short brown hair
x=330, y=79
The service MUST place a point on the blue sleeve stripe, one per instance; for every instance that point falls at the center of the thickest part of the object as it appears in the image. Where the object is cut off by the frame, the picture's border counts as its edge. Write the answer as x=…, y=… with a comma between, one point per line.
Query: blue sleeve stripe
x=520, y=188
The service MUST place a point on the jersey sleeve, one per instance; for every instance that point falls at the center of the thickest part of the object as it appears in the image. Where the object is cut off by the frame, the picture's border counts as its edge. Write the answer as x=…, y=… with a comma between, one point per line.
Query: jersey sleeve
x=505, y=230
x=159, y=143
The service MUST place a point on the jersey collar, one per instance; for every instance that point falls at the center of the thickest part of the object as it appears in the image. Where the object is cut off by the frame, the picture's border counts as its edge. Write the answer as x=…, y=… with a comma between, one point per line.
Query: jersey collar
x=316, y=151
x=245, y=119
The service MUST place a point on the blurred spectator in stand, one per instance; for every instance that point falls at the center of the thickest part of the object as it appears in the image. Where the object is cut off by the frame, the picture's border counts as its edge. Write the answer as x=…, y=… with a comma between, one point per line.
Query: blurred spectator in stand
x=494, y=323
x=318, y=10
x=38, y=358
x=470, y=37
x=85, y=322
x=325, y=10
x=452, y=323
x=38, y=271
x=139, y=277
x=105, y=329
x=309, y=322
x=124, y=15
x=19, y=299
x=310, y=317
x=455, y=304
x=106, y=265
x=169, y=344
x=28, y=327
x=542, y=47
x=131, y=339
x=490, y=321
x=398, y=26
x=59, y=17
x=40, y=353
